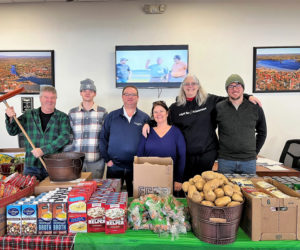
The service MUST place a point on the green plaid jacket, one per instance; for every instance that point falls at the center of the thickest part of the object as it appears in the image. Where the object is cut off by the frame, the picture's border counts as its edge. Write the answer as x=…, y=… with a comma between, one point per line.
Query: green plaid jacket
x=52, y=140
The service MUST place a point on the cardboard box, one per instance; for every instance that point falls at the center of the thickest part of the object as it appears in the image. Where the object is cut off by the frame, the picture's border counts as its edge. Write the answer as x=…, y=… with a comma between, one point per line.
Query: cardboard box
x=272, y=218
x=151, y=174
x=47, y=185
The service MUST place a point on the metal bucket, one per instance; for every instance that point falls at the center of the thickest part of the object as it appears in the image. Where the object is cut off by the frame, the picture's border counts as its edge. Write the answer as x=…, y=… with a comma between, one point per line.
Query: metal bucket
x=207, y=229
x=65, y=166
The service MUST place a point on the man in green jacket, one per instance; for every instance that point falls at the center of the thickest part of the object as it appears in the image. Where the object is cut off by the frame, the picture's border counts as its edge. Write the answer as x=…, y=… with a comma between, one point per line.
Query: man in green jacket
x=48, y=128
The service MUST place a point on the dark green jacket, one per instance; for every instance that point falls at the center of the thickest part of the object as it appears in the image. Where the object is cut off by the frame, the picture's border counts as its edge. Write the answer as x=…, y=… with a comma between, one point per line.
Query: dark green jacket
x=52, y=140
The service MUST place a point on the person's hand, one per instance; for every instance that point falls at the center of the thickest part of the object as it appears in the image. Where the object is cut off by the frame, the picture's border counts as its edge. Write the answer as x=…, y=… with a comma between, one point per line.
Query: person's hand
x=177, y=186
x=110, y=163
x=255, y=100
x=146, y=130
x=37, y=152
x=10, y=112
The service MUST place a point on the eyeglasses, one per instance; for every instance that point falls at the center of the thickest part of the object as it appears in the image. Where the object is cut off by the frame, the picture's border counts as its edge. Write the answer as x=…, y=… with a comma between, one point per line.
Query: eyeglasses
x=238, y=85
x=189, y=84
x=128, y=94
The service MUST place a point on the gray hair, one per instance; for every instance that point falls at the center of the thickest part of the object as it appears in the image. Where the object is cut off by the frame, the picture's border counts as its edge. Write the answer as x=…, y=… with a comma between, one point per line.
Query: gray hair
x=48, y=88
x=201, y=95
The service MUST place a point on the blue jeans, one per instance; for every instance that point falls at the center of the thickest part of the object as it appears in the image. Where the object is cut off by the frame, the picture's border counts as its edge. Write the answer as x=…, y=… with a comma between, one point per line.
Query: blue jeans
x=124, y=173
x=39, y=173
x=240, y=167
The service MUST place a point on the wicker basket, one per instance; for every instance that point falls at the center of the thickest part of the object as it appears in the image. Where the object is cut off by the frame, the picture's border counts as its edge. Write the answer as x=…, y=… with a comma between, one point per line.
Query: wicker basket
x=207, y=229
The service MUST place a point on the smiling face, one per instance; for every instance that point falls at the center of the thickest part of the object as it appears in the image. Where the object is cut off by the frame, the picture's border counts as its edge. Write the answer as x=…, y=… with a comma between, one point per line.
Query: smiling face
x=190, y=87
x=48, y=102
x=88, y=95
x=130, y=97
x=235, y=91
x=160, y=115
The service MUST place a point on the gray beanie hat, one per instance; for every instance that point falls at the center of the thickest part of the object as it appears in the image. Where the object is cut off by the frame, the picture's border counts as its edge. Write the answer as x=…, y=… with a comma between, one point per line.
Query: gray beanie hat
x=234, y=78
x=87, y=84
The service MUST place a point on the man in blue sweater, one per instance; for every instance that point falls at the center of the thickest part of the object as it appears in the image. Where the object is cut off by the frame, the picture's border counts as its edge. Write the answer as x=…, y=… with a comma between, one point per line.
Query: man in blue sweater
x=119, y=137
x=242, y=130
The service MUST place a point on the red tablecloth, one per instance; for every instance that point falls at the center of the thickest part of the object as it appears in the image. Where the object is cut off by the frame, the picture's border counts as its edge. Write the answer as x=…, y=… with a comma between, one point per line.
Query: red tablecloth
x=37, y=242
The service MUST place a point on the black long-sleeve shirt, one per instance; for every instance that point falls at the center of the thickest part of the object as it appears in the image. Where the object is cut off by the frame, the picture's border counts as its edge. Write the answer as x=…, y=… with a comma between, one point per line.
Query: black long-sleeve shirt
x=242, y=132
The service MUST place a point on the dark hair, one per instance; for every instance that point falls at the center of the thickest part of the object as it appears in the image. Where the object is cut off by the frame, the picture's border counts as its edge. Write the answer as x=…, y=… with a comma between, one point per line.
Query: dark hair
x=159, y=103
x=130, y=86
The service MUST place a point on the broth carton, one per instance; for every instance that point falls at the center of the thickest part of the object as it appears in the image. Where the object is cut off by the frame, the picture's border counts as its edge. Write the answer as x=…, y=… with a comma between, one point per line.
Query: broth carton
x=14, y=218
x=29, y=218
x=45, y=216
x=60, y=222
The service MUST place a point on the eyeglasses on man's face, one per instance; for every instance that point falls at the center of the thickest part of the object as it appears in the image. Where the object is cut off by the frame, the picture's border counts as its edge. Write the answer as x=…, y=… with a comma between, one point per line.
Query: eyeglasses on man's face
x=238, y=86
x=129, y=94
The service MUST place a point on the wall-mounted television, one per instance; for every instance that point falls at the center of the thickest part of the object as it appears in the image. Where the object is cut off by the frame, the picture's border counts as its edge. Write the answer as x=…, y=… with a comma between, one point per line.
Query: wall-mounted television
x=151, y=66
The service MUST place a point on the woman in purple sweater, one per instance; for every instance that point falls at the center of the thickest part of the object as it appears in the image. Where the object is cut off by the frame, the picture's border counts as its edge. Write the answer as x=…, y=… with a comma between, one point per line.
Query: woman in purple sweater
x=165, y=140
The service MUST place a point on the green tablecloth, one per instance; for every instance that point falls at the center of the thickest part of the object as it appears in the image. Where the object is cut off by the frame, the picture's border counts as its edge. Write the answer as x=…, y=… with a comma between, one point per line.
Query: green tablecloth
x=148, y=240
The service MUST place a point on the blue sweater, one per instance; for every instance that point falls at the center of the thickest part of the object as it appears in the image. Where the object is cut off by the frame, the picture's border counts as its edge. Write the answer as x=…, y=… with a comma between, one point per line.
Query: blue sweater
x=172, y=144
x=119, y=139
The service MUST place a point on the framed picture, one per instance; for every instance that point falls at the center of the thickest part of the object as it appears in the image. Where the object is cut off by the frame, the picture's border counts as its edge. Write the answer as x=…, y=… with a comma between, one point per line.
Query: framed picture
x=28, y=69
x=276, y=69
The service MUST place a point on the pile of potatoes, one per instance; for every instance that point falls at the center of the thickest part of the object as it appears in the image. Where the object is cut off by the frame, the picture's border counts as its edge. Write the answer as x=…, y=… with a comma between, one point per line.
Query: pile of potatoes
x=213, y=189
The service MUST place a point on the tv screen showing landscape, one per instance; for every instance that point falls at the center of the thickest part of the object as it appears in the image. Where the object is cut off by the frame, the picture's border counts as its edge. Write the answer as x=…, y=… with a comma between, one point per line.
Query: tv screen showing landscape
x=151, y=66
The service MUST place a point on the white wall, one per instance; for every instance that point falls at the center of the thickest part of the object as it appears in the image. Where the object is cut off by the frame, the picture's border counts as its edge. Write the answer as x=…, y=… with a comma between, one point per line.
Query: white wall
x=220, y=34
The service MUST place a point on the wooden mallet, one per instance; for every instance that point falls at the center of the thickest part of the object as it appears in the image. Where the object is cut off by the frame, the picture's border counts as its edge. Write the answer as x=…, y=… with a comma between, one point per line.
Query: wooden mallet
x=3, y=99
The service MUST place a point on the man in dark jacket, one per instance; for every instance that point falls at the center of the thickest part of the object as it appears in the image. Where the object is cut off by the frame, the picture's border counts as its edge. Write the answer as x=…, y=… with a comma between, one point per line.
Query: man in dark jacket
x=242, y=130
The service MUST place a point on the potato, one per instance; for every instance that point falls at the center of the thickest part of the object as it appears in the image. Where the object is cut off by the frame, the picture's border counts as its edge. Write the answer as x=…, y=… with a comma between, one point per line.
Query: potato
x=197, y=178
x=210, y=195
x=223, y=178
x=228, y=190
x=191, y=181
x=219, y=192
x=197, y=197
x=222, y=201
x=237, y=197
x=207, y=203
x=185, y=186
x=209, y=175
x=202, y=194
x=236, y=188
x=199, y=184
x=239, y=193
x=233, y=204
x=211, y=185
x=191, y=191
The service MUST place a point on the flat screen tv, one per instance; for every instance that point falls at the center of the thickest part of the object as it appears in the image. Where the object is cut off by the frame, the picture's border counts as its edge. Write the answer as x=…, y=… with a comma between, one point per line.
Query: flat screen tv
x=151, y=66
